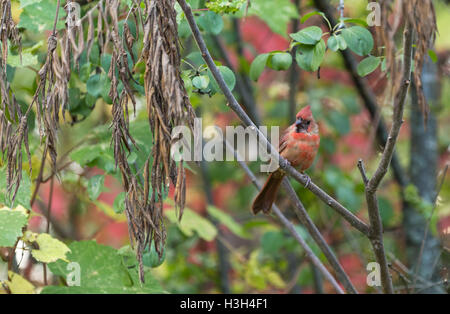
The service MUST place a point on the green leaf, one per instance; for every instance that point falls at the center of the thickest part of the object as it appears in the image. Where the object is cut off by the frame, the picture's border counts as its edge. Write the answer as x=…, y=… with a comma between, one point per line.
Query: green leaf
x=310, y=14
x=368, y=65
x=280, y=61
x=11, y=224
x=310, y=57
x=151, y=258
x=39, y=16
x=183, y=28
x=341, y=42
x=95, y=186
x=336, y=42
x=86, y=154
x=201, y=82
x=94, y=85
x=50, y=249
x=28, y=59
x=309, y=36
x=74, y=100
x=85, y=71
x=188, y=85
x=105, y=61
x=358, y=39
x=193, y=222
x=102, y=270
x=228, y=77
x=210, y=22
x=24, y=3
x=354, y=21
x=225, y=6
x=276, y=14
x=119, y=203
x=433, y=55
x=272, y=242
x=23, y=195
x=258, y=66
x=332, y=43
x=227, y=221
x=98, y=85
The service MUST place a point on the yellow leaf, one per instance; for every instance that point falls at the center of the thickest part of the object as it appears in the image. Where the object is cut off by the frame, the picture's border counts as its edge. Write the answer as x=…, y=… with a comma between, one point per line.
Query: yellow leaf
x=274, y=278
x=19, y=285
x=50, y=249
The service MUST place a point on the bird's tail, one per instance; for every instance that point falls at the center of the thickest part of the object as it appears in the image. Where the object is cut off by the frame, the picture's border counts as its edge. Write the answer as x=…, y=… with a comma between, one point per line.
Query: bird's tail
x=266, y=197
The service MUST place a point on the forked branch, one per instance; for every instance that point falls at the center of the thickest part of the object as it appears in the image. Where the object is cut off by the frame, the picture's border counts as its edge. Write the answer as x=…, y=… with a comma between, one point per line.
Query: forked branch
x=372, y=184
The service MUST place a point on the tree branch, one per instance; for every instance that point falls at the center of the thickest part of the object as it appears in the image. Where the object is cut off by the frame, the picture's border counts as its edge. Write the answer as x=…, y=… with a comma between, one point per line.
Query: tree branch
x=371, y=187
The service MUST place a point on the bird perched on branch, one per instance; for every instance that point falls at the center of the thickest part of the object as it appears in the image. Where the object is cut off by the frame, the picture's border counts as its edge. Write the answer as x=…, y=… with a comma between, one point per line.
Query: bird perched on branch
x=299, y=145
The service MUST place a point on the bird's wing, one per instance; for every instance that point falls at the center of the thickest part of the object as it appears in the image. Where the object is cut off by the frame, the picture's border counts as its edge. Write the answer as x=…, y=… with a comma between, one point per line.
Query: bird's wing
x=284, y=140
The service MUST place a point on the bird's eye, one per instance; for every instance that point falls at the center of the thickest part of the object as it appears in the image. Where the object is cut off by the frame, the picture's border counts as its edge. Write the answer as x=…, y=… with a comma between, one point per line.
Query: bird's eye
x=308, y=123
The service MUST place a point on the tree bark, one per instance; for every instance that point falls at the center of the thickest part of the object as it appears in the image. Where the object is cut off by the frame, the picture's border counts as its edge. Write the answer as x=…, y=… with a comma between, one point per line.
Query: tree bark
x=423, y=172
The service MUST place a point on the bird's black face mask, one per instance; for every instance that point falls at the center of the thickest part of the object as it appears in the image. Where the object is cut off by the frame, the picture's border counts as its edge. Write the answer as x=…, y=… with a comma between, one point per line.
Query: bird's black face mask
x=302, y=125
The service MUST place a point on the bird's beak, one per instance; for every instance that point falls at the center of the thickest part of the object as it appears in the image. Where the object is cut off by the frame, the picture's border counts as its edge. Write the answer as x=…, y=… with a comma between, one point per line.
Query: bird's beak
x=298, y=122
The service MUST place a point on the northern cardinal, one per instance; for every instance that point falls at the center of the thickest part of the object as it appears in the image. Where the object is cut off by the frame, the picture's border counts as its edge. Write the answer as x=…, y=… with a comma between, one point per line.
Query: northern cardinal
x=299, y=145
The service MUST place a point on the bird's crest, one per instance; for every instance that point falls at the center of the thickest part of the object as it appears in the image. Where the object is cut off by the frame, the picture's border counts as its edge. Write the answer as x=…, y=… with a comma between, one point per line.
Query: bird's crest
x=305, y=113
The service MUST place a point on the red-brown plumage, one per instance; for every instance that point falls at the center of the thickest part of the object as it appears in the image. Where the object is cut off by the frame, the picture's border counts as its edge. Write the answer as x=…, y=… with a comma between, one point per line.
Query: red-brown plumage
x=299, y=145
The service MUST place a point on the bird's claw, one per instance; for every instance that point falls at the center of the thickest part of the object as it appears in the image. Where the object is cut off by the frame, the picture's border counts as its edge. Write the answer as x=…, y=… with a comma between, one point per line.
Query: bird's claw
x=308, y=180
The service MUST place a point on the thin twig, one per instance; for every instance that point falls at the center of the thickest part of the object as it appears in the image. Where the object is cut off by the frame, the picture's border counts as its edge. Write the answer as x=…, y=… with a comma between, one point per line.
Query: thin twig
x=362, y=169
x=402, y=277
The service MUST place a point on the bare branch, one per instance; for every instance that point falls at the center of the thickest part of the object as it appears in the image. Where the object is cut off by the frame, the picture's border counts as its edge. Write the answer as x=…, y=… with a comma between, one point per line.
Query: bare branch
x=376, y=225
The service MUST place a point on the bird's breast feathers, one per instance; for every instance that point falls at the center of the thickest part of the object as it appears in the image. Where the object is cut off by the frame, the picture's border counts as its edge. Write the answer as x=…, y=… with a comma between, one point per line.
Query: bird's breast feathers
x=300, y=149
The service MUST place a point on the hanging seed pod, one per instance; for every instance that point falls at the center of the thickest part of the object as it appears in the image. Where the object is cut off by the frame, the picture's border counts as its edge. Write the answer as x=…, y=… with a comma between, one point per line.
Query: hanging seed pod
x=423, y=21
